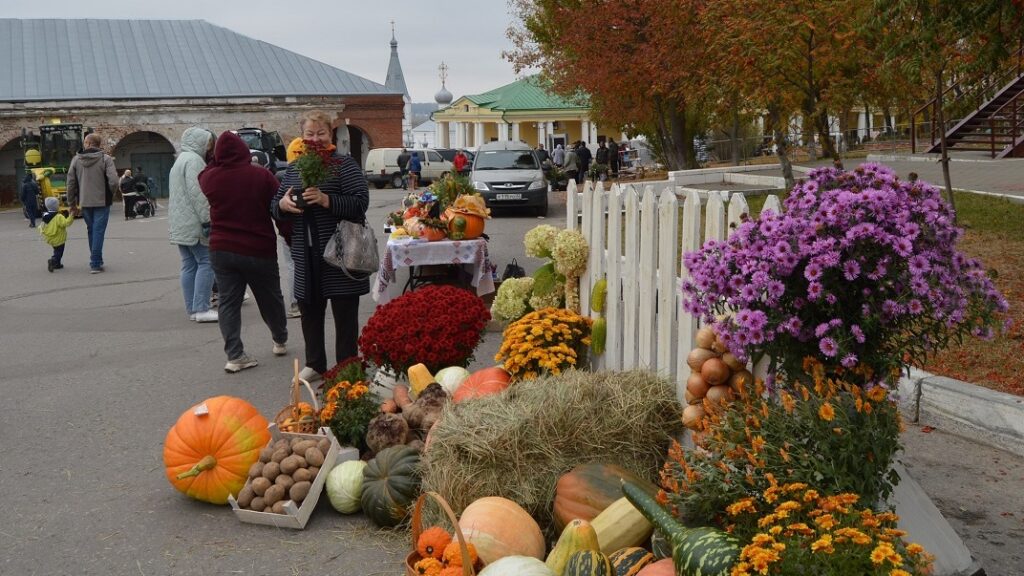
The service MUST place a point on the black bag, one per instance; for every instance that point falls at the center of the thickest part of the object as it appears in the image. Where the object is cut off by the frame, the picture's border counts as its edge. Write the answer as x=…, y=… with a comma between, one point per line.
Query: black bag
x=512, y=270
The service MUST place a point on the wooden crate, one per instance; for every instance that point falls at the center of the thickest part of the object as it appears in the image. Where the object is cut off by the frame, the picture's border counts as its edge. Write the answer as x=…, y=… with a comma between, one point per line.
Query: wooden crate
x=296, y=517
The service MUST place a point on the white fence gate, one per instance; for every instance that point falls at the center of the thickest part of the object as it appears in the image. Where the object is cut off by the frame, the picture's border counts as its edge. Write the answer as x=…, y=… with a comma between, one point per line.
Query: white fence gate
x=634, y=239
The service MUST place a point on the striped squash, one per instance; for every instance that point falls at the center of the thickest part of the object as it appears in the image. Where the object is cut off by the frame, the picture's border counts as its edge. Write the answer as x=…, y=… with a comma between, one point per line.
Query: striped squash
x=589, y=563
x=578, y=535
x=702, y=551
x=629, y=561
x=621, y=525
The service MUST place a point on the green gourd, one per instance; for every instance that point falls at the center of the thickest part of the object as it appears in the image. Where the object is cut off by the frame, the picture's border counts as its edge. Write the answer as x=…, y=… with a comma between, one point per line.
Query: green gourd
x=589, y=563
x=578, y=535
x=391, y=482
x=702, y=551
x=598, y=295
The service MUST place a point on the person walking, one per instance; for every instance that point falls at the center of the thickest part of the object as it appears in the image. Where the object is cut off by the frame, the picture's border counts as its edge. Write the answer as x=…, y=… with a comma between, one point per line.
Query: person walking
x=91, y=183
x=55, y=231
x=128, y=195
x=572, y=164
x=613, y=157
x=342, y=196
x=415, y=167
x=188, y=222
x=542, y=154
x=30, y=198
x=558, y=155
x=403, y=167
x=243, y=246
x=583, y=152
x=460, y=161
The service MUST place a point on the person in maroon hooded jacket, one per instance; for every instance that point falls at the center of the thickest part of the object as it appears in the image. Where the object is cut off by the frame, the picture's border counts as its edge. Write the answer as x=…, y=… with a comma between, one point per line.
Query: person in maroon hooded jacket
x=243, y=245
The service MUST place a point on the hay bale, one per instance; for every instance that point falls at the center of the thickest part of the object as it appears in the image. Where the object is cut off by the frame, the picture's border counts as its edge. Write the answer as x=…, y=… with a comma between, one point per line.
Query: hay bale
x=518, y=443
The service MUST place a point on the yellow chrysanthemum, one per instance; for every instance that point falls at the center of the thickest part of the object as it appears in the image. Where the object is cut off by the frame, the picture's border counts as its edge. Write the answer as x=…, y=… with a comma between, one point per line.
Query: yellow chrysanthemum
x=877, y=394
x=915, y=549
x=826, y=412
x=823, y=544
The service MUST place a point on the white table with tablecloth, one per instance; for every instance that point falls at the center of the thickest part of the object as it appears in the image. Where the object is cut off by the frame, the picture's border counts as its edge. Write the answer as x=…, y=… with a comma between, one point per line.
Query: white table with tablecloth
x=411, y=253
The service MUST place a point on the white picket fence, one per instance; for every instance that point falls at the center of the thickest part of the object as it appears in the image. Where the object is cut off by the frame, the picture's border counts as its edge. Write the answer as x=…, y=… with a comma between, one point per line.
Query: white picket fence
x=634, y=242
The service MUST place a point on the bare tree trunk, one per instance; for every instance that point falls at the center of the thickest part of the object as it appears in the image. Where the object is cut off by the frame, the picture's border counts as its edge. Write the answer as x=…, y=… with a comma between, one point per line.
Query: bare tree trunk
x=944, y=157
x=735, y=135
x=781, y=145
x=827, y=147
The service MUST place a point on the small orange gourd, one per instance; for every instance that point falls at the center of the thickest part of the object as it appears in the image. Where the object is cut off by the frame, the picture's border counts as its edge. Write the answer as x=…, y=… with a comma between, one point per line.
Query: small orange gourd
x=428, y=567
x=453, y=554
x=432, y=542
x=208, y=451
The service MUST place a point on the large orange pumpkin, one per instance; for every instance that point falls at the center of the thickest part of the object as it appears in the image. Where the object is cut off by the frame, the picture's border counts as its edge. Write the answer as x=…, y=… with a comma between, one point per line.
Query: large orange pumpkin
x=208, y=451
x=498, y=527
x=482, y=383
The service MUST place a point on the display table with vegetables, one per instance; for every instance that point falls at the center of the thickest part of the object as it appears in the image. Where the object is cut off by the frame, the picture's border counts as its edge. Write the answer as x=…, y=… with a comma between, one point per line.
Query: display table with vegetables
x=412, y=253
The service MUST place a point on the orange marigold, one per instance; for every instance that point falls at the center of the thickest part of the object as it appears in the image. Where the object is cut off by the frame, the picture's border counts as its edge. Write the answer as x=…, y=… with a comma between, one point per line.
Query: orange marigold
x=826, y=412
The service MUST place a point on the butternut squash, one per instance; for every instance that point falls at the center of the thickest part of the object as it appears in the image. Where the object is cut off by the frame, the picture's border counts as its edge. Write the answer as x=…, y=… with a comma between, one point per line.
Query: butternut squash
x=621, y=525
x=419, y=378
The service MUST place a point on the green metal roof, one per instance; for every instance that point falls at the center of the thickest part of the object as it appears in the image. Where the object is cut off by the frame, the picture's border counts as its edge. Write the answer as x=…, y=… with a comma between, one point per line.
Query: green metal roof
x=526, y=94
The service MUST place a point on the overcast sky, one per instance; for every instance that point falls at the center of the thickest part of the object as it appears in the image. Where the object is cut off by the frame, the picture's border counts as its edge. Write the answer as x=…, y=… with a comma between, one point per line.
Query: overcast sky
x=352, y=35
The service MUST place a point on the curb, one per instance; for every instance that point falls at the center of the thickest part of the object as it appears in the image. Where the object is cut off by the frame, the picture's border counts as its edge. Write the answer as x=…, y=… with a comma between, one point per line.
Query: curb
x=986, y=416
x=932, y=159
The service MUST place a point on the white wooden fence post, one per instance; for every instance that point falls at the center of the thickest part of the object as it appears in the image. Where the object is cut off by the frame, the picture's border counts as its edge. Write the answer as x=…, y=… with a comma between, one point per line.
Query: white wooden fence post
x=613, y=306
x=737, y=207
x=772, y=203
x=688, y=323
x=572, y=207
x=631, y=281
x=668, y=282
x=647, y=279
x=595, y=240
x=715, y=228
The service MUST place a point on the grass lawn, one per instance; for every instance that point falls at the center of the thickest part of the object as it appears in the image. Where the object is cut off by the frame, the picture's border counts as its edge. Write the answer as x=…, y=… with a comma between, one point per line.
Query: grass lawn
x=994, y=234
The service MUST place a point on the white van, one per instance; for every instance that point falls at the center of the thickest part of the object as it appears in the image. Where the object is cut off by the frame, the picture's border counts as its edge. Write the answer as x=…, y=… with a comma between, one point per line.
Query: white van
x=381, y=166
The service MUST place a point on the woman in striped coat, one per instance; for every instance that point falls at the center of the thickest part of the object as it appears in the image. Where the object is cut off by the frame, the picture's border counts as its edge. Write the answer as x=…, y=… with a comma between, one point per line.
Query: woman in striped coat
x=342, y=196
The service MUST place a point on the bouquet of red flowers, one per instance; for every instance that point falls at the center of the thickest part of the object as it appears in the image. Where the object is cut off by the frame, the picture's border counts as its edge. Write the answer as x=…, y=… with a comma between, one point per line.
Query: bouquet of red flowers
x=314, y=162
x=435, y=325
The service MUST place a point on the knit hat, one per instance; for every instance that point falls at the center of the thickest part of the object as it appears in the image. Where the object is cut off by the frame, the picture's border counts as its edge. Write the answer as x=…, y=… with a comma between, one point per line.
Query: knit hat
x=295, y=149
x=52, y=204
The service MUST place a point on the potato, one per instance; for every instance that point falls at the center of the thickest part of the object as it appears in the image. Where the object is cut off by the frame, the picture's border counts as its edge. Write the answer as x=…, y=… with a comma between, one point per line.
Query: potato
x=274, y=494
x=266, y=453
x=302, y=475
x=245, y=497
x=271, y=470
x=296, y=441
x=278, y=507
x=282, y=444
x=324, y=445
x=314, y=456
x=268, y=510
x=290, y=464
x=280, y=454
x=299, y=491
x=260, y=485
x=313, y=471
x=301, y=447
x=256, y=470
x=257, y=504
x=284, y=480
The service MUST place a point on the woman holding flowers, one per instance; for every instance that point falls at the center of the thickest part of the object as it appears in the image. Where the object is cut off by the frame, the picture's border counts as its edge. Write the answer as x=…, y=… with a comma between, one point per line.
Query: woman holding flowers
x=315, y=194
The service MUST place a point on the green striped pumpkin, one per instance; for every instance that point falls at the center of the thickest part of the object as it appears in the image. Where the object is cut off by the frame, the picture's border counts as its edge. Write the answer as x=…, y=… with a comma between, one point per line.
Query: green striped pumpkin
x=629, y=561
x=589, y=563
x=702, y=551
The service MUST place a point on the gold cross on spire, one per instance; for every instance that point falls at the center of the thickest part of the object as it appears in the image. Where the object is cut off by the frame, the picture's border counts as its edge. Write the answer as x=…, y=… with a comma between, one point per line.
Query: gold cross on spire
x=444, y=72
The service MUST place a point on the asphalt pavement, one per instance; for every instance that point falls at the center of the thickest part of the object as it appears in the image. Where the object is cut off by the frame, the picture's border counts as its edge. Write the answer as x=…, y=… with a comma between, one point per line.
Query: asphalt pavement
x=94, y=369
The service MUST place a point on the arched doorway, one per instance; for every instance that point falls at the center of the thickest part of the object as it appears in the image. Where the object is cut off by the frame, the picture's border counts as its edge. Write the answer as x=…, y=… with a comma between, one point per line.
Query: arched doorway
x=149, y=151
x=12, y=171
x=352, y=140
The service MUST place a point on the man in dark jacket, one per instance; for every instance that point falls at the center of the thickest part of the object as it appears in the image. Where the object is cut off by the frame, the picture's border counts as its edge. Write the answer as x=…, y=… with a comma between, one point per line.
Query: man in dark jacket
x=29, y=198
x=243, y=246
x=613, y=156
x=92, y=181
x=585, y=157
x=403, y=167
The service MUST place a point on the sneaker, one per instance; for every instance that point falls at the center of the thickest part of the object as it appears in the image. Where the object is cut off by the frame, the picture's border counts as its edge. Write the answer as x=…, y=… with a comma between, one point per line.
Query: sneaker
x=192, y=317
x=280, y=349
x=49, y=265
x=294, y=312
x=58, y=266
x=208, y=316
x=240, y=363
x=96, y=270
x=310, y=375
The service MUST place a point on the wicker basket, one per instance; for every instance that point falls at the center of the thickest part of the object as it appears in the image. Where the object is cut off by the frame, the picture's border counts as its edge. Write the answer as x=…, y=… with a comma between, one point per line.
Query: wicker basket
x=291, y=418
x=417, y=529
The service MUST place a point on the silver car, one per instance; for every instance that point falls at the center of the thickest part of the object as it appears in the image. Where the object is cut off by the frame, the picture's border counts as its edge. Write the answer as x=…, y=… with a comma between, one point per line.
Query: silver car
x=508, y=174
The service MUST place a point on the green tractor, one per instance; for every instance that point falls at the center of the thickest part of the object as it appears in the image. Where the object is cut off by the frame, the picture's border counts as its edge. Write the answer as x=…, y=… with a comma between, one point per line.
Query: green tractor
x=48, y=156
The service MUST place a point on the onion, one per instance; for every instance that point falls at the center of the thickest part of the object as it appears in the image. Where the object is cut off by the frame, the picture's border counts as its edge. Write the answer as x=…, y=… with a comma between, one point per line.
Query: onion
x=696, y=386
x=705, y=337
x=741, y=379
x=719, y=393
x=719, y=347
x=715, y=372
x=698, y=356
x=690, y=398
x=733, y=362
x=692, y=416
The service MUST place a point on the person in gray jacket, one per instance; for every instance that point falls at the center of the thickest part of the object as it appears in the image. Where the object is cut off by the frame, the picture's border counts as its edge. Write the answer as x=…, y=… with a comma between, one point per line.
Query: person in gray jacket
x=188, y=219
x=92, y=181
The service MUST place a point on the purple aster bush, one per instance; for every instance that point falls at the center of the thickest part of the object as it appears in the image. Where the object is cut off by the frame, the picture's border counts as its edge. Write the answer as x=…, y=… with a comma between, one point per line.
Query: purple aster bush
x=861, y=272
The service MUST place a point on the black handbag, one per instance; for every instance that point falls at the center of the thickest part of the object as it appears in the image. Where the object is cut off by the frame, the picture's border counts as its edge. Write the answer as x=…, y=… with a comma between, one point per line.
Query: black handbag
x=512, y=270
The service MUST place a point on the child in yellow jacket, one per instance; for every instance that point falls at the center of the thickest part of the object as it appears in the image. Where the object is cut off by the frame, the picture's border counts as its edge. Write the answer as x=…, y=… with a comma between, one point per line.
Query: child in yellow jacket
x=55, y=231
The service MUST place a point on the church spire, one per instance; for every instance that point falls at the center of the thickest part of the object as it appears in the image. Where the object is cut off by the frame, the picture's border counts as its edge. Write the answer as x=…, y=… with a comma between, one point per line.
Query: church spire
x=395, y=79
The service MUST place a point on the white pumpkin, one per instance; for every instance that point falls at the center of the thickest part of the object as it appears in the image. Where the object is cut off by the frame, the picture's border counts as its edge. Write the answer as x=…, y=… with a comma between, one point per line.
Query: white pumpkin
x=451, y=378
x=517, y=566
x=345, y=486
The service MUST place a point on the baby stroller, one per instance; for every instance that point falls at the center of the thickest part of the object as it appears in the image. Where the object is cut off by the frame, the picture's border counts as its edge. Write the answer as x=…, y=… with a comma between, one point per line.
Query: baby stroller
x=138, y=202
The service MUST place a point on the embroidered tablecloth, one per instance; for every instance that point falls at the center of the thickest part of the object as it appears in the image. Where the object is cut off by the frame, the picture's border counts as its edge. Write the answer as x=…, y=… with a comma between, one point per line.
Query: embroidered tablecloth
x=409, y=253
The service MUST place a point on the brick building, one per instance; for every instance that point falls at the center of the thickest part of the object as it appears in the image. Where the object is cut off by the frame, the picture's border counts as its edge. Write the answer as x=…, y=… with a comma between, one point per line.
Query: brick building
x=141, y=83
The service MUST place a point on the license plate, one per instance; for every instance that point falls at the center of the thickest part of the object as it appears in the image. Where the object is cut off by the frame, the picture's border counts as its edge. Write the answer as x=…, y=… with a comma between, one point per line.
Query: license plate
x=508, y=196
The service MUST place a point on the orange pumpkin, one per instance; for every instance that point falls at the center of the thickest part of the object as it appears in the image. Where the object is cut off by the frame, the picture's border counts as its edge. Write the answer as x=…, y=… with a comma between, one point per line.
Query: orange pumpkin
x=432, y=234
x=482, y=383
x=432, y=542
x=663, y=567
x=499, y=527
x=474, y=225
x=208, y=451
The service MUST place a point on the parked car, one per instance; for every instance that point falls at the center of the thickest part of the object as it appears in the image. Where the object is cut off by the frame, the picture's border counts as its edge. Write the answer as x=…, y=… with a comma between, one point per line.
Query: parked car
x=508, y=174
x=382, y=169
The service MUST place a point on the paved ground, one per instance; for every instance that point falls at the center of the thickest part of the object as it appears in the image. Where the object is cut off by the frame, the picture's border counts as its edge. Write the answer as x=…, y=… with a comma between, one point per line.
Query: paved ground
x=96, y=368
